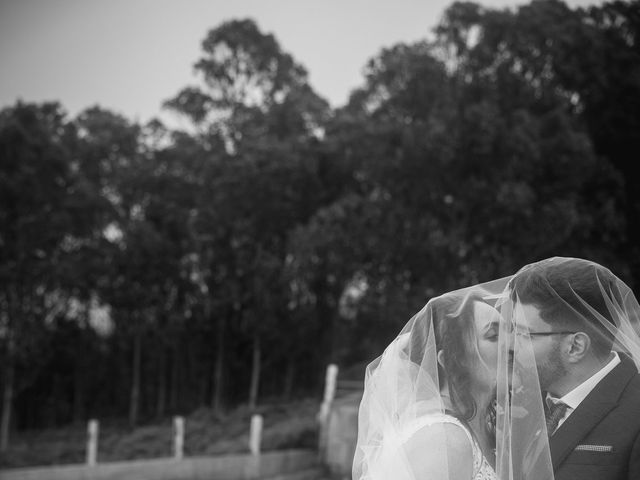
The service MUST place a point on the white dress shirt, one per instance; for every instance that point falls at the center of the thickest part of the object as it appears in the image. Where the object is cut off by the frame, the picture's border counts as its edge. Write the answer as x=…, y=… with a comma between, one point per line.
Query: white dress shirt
x=578, y=394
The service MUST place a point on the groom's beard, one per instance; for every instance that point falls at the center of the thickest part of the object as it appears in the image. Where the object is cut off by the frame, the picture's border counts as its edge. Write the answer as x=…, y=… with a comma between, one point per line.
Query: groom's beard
x=550, y=369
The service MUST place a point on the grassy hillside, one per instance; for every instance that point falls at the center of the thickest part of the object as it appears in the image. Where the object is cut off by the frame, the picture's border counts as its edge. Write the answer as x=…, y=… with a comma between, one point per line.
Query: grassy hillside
x=290, y=425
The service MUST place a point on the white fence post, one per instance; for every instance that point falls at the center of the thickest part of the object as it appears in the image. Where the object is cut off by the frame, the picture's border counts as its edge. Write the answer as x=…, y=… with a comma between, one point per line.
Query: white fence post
x=92, y=442
x=255, y=434
x=329, y=391
x=323, y=414
x=178, y=438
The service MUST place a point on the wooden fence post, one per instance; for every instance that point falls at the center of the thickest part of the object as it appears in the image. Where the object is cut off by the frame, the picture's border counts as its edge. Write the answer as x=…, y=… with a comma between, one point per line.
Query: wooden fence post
x=92, y=442
x=325, y=407
x=329, y=392
x=255, y=434
x=178, y=438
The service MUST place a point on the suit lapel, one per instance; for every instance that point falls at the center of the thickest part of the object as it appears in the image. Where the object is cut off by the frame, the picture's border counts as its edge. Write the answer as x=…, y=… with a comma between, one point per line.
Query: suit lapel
x=591, y=411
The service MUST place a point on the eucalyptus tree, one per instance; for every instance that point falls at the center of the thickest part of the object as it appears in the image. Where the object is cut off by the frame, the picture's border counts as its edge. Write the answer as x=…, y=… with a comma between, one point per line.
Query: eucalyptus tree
x=256, y=116
x=574, y=67
x=142, y=262
x=43, y=203
x=471, y=156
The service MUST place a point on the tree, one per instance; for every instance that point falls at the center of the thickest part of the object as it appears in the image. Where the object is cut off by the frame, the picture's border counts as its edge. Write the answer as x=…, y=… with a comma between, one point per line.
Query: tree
x=40, y=192
x=472, y=164
x=256, y=101
x=532, y=50
x=251, y=90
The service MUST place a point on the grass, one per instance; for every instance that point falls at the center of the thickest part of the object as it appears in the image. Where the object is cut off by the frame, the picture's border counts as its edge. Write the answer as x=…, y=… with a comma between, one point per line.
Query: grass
x=290, y=425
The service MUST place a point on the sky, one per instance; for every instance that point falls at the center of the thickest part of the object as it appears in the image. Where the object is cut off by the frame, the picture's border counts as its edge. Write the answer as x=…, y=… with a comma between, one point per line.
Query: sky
x=131, y=55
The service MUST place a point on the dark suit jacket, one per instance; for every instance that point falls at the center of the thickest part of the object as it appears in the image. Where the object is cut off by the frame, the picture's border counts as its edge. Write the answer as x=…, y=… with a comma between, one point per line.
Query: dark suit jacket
x=601, y=438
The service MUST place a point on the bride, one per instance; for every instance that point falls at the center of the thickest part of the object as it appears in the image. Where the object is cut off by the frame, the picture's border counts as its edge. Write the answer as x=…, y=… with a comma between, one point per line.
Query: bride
x=450, y=400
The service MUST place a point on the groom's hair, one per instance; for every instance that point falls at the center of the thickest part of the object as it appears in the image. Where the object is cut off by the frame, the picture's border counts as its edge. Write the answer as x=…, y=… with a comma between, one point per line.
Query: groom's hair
x=567, y=291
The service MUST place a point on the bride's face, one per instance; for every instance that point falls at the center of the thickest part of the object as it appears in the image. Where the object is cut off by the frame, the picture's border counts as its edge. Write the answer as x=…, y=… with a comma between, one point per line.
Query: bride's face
x=487, y=326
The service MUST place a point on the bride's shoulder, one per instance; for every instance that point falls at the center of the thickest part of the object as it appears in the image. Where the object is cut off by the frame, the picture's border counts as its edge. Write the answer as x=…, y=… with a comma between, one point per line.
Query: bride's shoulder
x=450, y=435
x=437, y=422
x=440, y=425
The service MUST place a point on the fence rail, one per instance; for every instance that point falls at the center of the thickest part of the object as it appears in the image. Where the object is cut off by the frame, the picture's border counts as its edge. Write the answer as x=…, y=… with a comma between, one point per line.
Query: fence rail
x=344, y=387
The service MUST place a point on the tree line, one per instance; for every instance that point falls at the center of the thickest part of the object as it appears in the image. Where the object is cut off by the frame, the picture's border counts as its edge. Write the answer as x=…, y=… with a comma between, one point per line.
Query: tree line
x=147, y=270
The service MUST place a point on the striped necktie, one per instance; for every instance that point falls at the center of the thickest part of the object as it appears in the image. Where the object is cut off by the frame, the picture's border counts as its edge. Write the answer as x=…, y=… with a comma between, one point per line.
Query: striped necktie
x=554, y=412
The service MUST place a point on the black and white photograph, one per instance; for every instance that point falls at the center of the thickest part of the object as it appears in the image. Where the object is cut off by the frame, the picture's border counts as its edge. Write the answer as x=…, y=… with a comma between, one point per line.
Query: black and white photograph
x=329, y=240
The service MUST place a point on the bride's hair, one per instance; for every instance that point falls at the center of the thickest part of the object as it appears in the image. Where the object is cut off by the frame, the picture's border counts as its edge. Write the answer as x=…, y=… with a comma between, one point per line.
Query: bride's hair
x=455, y=334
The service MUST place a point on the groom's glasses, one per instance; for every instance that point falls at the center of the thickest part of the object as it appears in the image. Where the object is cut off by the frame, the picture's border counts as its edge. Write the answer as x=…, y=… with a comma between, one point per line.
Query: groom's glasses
x=527, y=333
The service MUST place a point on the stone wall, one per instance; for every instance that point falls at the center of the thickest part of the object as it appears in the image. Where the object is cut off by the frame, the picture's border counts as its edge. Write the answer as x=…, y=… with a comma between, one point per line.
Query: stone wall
x=341, y=435
x=285, y=465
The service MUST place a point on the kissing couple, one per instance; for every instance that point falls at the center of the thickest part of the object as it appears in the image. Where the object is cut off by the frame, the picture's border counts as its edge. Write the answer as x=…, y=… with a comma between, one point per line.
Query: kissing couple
x=532, y=376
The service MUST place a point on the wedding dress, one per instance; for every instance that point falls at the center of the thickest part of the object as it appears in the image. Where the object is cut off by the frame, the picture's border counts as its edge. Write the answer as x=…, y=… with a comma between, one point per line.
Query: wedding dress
x=393, y=463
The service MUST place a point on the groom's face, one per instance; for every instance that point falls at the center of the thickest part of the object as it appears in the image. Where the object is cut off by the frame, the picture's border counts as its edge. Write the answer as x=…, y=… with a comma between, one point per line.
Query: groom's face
x=546, y=348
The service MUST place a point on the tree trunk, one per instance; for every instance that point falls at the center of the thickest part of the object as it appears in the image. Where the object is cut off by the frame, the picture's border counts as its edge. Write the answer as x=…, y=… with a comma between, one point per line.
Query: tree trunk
x=161, y=399
x=175, y=375
x=79, y=371
x=288, y=378
x=7, y=402
x=255, y=373
x=216, y=402
x=11, y=306
x=78, y=393
x=135, y=381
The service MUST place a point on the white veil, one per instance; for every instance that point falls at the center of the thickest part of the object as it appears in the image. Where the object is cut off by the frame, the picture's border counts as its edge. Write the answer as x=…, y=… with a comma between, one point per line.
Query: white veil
x=410, y=396
x=582, y=293
x=408, y=392
x=566, y=299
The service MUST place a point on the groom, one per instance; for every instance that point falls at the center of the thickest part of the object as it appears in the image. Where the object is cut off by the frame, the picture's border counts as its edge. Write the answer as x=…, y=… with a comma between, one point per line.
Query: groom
x=592, y=393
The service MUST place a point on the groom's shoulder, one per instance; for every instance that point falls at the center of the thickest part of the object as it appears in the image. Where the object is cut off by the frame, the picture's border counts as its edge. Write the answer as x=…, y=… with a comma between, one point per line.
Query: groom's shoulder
x=622, y=388
x=629, y=408
x=633, y=387
x=630, y=397
x=630, y=372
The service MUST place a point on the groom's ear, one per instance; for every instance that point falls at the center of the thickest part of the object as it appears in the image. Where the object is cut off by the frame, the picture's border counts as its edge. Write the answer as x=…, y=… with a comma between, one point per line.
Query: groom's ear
x=579, y=347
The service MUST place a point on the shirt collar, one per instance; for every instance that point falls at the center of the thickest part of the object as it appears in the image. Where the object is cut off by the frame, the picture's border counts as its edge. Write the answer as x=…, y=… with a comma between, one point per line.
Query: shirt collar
x=578, y=394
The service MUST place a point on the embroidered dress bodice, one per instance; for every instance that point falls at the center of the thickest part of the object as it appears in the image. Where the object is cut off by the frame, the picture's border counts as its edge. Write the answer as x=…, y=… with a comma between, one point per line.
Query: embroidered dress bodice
x=482, y=470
